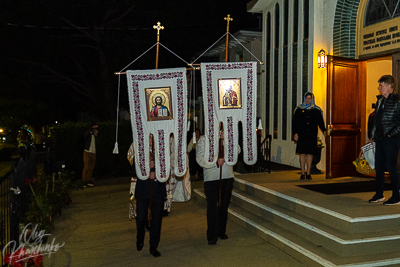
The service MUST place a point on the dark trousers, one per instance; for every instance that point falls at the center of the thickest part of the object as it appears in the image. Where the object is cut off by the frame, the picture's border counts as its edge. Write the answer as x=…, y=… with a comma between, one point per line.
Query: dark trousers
x=157, y=206
x=217, y=216
x=386, y=152
x=194, y=167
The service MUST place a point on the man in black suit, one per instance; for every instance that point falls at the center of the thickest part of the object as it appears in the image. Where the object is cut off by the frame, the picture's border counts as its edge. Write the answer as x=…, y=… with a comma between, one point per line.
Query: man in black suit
x=150, y=193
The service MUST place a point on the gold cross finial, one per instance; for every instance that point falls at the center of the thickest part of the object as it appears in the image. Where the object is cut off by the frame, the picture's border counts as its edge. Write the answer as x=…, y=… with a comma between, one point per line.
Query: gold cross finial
x=228, y=18
x=158, y=27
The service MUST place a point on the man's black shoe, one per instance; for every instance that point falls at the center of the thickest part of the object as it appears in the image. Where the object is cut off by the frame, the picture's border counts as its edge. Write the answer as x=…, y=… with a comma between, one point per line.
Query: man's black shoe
x=376, y=199
x=308, y=177
x=223, y=236
x=139, y=246
x=391, y=202
x=212, y=241
x=155, y=252
x=302, y=177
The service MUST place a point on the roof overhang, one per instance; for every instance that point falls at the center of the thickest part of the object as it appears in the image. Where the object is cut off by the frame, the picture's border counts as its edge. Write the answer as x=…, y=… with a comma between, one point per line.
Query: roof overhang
x=256, y=6
x=242, y=36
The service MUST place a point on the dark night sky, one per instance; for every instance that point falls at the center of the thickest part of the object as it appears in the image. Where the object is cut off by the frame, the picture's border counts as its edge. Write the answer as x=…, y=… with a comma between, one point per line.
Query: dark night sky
x=64, y=53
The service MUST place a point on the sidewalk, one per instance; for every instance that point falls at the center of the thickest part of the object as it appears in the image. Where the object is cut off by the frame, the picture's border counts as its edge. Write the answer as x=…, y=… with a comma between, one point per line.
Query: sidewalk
x=97, y=232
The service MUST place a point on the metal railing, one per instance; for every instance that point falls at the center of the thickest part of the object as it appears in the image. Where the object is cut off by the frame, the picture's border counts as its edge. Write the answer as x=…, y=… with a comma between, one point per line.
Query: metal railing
x=5, y=214
x=264, y=155
x=14, y=199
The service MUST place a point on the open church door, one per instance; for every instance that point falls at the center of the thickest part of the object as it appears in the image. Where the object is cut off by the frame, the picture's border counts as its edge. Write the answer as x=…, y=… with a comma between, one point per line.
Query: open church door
x=346, y=89
x=396, y=70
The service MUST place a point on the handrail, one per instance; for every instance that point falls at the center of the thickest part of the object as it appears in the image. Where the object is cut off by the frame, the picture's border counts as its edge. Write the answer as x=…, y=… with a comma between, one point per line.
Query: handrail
x=265, y=139
x=3, y=178
x=264, y=153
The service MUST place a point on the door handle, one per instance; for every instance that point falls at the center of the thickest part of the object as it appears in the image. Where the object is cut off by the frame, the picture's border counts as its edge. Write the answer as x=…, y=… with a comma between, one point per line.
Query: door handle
x=329, y=130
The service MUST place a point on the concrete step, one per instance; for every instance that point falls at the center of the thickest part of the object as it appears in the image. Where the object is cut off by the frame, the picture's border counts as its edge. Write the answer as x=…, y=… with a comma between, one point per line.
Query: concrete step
x=384, y=223
x=315, y=231
x=277, y=219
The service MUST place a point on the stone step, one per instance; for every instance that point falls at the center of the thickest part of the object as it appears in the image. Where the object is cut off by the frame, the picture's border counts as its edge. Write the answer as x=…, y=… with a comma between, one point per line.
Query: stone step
x=306, y=238
x=313, y=230
x=383, y=223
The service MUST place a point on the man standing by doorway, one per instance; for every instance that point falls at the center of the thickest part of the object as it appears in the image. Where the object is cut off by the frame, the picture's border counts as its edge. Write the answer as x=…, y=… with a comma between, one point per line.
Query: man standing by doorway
x=386, y=133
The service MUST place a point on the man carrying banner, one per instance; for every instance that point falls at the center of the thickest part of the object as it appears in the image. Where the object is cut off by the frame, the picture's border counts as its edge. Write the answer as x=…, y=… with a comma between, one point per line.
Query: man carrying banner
x=150, y=195
x=218, y=187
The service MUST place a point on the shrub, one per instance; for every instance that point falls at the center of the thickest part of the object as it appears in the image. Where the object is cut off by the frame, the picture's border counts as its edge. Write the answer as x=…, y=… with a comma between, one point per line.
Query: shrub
x=6, y=151
x=68, y=146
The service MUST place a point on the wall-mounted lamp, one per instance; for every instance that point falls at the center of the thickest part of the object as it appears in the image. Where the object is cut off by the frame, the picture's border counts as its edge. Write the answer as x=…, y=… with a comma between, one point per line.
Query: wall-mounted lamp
x=259, y=125
x=322, y=59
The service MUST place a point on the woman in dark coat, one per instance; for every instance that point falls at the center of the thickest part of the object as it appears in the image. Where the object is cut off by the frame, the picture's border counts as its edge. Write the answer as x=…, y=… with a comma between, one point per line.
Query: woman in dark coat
x=307, y=118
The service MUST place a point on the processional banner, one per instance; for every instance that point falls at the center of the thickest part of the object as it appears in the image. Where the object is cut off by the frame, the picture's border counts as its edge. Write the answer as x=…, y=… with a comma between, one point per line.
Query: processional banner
x=229, y=96
x=157, y=100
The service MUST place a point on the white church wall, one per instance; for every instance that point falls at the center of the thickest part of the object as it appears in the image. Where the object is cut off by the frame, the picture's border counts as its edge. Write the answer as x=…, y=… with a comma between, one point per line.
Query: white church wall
x=321, y=20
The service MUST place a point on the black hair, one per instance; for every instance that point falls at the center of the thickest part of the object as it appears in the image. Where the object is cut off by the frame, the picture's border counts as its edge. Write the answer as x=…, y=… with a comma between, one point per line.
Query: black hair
x=92, y=124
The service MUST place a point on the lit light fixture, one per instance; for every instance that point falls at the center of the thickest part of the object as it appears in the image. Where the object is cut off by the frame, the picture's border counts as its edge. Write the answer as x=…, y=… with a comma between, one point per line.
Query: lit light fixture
x=322, y=59
x=259, y=125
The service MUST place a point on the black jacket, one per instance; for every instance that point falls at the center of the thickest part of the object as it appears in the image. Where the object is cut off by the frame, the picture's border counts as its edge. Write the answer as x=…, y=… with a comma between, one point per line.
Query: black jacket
x=306, y=122
x=87, y=137
x=390, y=116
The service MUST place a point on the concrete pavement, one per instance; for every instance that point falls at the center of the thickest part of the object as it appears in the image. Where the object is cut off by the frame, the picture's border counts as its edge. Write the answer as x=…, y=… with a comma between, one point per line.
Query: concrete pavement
x=96, y=231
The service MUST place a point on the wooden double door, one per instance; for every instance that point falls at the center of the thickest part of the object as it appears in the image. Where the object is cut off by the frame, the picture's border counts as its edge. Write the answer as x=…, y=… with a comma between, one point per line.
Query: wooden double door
x=346, y=119
x=345, y=116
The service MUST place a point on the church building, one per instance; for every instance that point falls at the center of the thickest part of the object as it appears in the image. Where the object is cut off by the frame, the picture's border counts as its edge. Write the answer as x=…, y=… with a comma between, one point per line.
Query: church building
x=336, y=49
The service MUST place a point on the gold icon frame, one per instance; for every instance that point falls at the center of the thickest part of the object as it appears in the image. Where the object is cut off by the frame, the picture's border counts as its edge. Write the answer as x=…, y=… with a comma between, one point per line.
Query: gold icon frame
x=229, y=93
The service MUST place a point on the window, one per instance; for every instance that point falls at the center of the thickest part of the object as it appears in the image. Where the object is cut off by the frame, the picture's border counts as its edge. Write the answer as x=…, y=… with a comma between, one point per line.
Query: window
x=276, y=26
x=381, y=10
x=305, y=45
x=285, y=69
x=268, y=32
x=306, y=19
x=267, y=72
x=276, y=72
x=286, y=22
x=295, y=21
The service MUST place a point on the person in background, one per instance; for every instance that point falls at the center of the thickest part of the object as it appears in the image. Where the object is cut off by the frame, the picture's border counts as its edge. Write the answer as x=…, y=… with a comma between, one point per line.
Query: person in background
x=38, y=139
x=306, y=120
x=386, y=133
x=23, y=139
x=132, y=201
x=89, y=154
x=170, y=183
x=195, y=170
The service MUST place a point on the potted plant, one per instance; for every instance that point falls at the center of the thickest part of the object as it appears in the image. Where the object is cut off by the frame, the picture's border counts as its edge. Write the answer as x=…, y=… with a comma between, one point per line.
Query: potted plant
x=49, y=195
